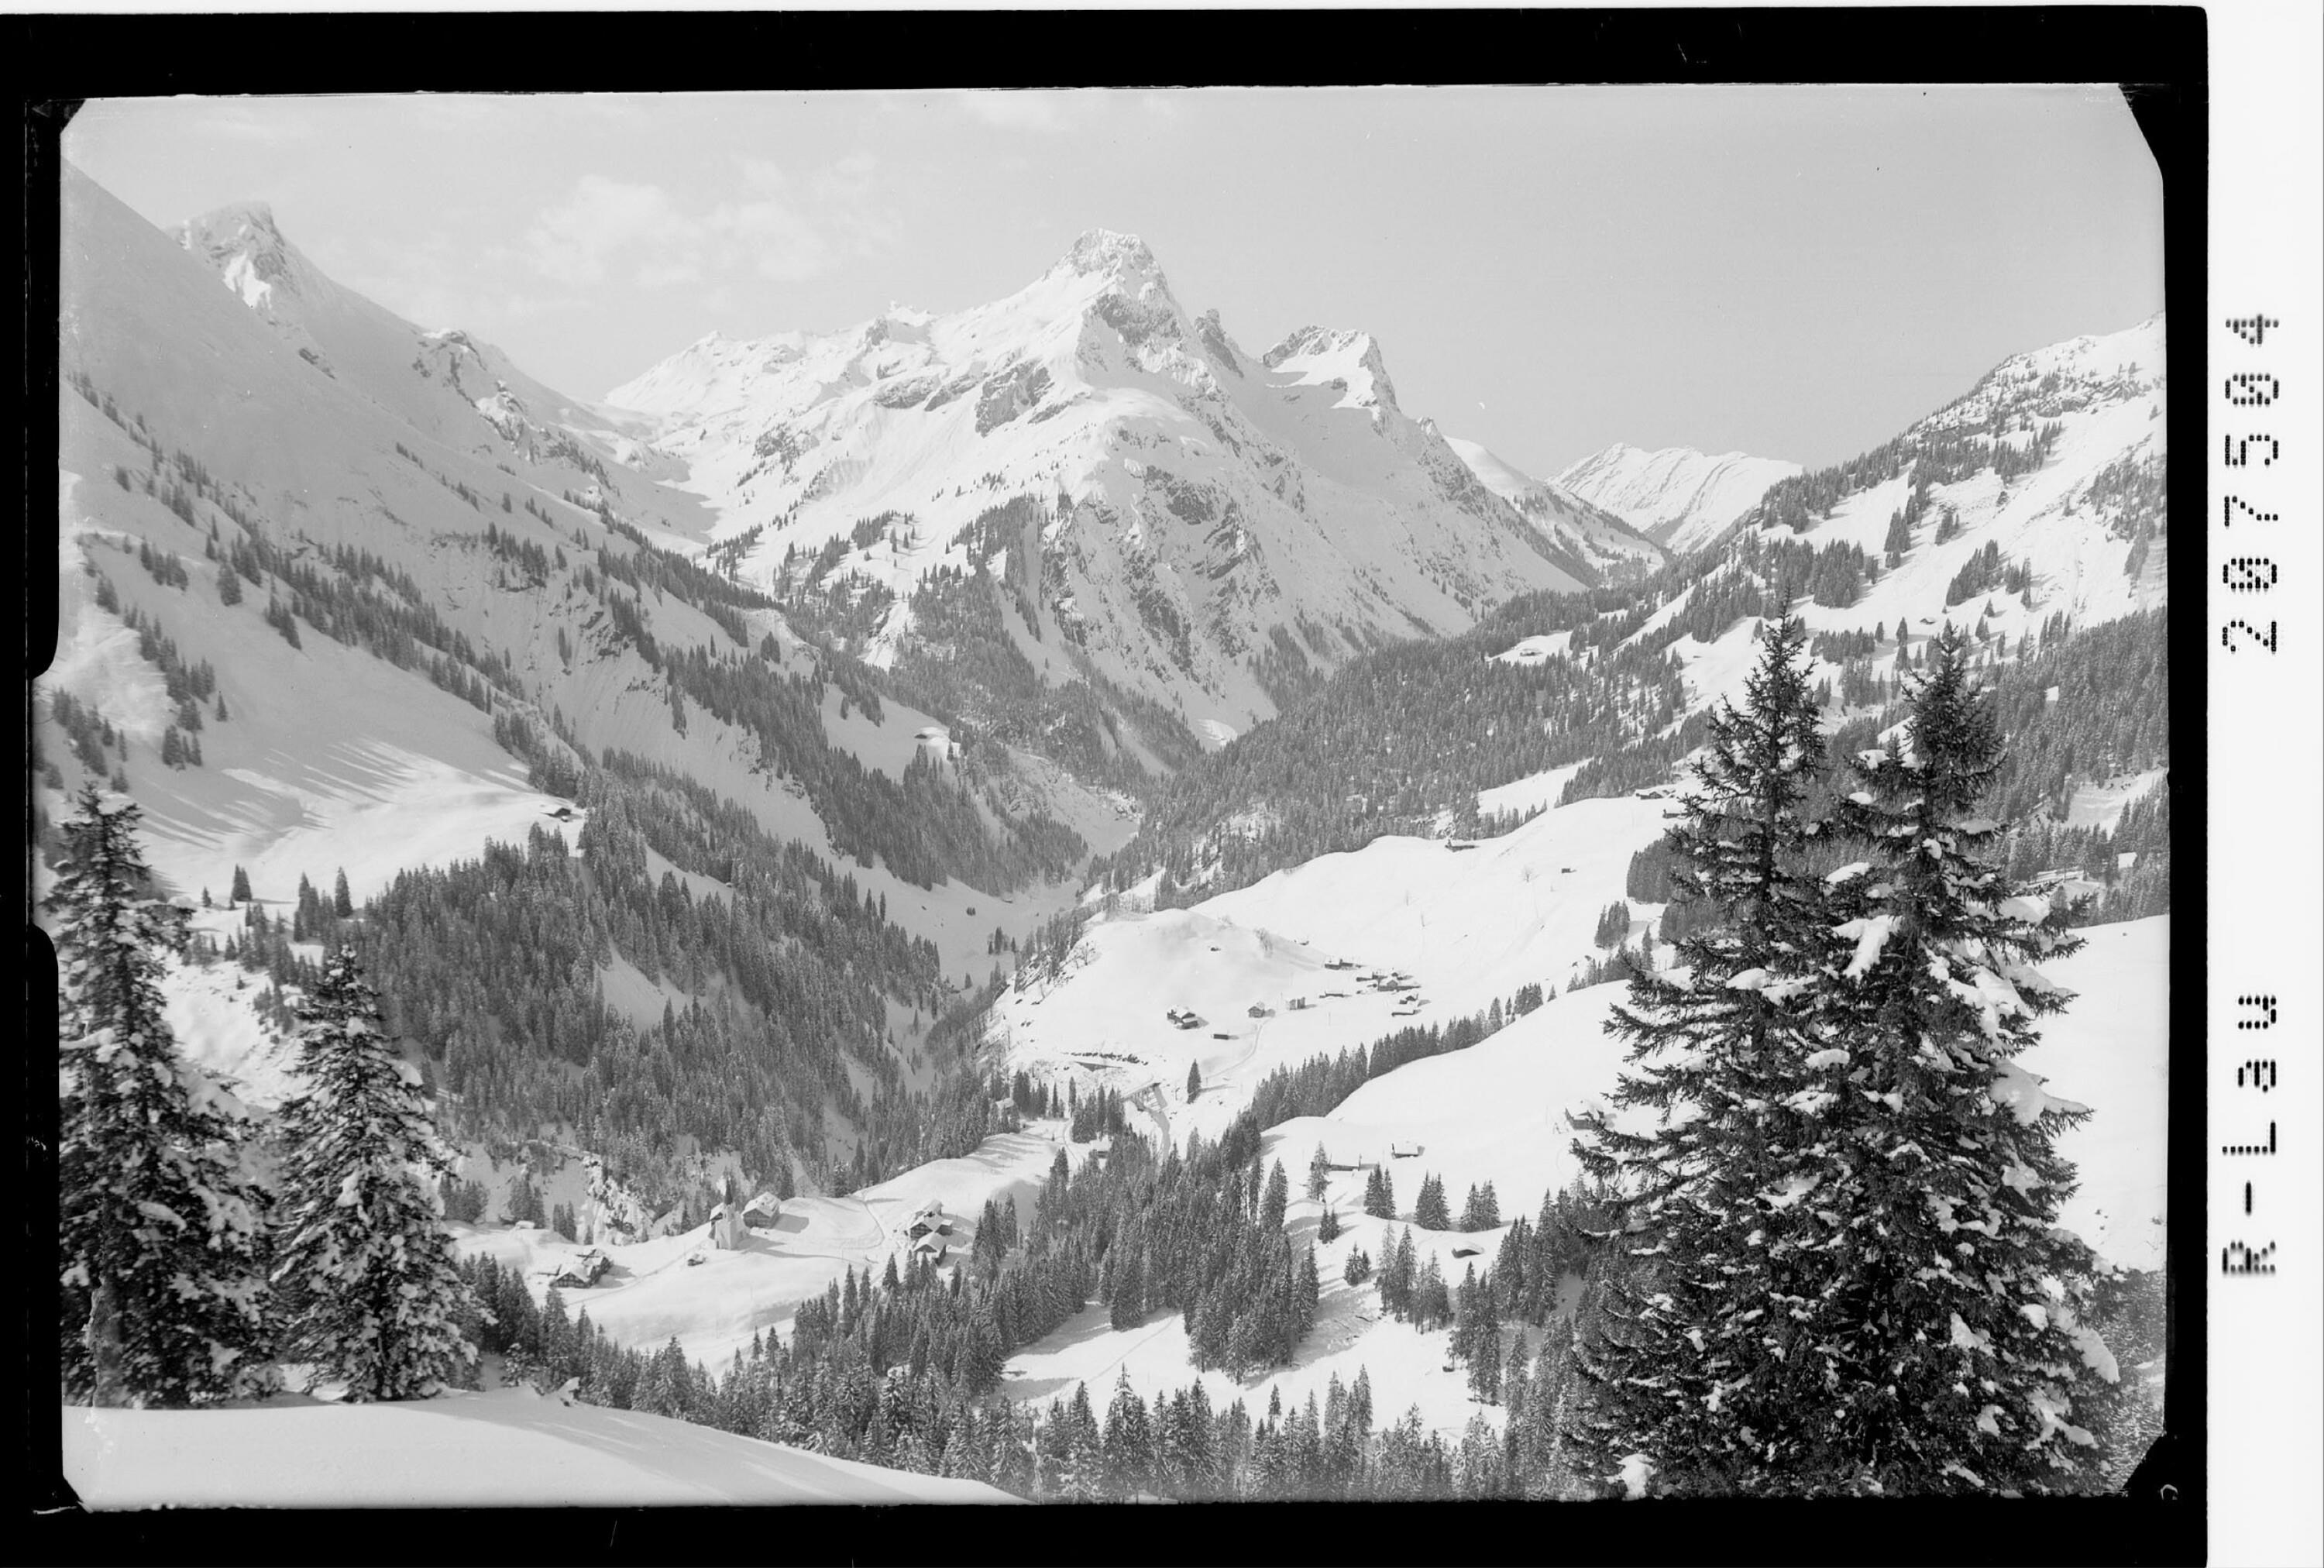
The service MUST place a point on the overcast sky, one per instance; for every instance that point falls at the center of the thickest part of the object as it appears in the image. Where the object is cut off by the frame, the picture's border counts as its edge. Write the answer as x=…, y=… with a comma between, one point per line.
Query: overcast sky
x=1790, y=272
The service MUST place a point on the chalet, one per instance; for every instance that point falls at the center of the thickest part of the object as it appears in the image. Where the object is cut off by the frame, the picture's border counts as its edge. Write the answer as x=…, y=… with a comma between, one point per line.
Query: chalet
x=930, y=1249
x=563, y=814
x=931, y=1221
x=726, y=1227
x=761, y=1213
x=1466, y=1252
x=1260, y=1010
x=1404, y=1150
x=576, y=1270
x=1456, y=845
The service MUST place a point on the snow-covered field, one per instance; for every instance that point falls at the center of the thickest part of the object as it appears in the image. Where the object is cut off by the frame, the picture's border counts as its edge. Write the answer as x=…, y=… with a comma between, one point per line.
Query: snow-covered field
x=713, y=1301
x=510, y=1449
x=214, y=1016
x=1468, y=928
x=1497, y=1112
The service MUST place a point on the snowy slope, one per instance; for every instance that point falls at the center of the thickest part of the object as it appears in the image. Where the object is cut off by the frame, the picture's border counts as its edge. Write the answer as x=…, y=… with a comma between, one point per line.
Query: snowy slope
x=713, y=1301
x=1677, y=496
x=2107, y=396
x=334, y=757
x=1497, y=1112
x=440, y=381
x=511, y=1449
x=1606, y=541
x=1465, y=928
x=1192, y=498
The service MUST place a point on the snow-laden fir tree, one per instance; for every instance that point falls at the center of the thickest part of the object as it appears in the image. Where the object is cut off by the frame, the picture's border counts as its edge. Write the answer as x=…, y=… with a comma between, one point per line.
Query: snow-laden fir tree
x=1961, y=1345
x=161, y=1201
x=365, y=1271
x=1693, y=1363
x=1429, y=1211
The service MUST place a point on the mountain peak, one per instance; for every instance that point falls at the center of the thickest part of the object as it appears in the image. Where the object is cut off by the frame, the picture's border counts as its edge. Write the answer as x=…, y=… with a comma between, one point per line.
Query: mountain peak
x=1323, y=354
x=241, y=244
x=234, y=215
x=1102, y=249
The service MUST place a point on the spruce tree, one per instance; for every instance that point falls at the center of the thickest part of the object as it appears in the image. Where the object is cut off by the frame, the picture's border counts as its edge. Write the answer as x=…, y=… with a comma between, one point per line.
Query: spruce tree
x=365, y=1265
x=161, y=1211
x=343, y=904
x=1695, y=1361
x=241, y=891
x=1319, y=1172
x=1482, y=1211
x=1194, y=1079
x=1380, y=1196
x=1959, y=1335
x=1429, y=1211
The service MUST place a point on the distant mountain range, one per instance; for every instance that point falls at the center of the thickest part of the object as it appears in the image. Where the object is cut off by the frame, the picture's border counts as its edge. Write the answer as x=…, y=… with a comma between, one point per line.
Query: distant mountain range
x=1196, y=523
x=1677, y=496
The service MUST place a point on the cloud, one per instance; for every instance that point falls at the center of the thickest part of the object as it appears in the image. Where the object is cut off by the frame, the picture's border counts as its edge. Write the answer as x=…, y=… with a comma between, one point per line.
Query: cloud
x=572, y=242
x=1050, y=113
x=778, y=226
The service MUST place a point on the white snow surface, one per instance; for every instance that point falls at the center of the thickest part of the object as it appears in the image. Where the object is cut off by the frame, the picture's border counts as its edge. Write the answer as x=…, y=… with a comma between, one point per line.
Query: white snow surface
x=508, y=1448
x=1679, y=498
x=713, y=1308
x=1605, y=539
x=1466, y=929
x=213, y=1013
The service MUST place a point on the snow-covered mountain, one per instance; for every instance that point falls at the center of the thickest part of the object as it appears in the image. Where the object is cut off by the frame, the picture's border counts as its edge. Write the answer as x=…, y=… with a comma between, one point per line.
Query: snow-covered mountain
x=1606, y=541
x=397, y=628
x=1191, y=521
x=445, y=381
x=1677, y=496
x=330, y=424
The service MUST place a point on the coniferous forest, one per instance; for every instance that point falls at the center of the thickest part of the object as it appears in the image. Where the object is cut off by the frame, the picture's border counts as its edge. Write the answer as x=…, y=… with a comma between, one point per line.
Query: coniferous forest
x=1804, y=1312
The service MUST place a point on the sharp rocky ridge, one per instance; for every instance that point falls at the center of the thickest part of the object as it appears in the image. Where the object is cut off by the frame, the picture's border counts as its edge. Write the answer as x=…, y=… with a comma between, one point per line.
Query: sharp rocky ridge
x=1186, y=520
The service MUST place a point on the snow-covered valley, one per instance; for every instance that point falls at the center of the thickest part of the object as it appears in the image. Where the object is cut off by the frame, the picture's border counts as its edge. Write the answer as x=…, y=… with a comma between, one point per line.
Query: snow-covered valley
x=950, y=883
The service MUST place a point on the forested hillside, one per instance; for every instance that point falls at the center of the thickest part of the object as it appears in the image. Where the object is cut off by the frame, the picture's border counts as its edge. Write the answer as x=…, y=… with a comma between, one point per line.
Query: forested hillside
x=624, y=852
x=2028, y=514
